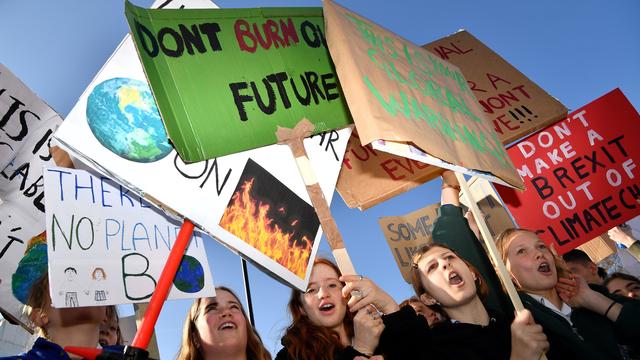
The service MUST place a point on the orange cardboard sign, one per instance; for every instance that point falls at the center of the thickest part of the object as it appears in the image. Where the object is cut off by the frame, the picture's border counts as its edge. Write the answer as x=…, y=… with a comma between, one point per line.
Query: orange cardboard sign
x=515, y=105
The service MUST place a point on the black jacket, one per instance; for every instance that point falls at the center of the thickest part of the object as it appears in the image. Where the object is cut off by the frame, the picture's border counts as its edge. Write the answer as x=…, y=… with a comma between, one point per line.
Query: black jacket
x=411, y=338
x=592, y=336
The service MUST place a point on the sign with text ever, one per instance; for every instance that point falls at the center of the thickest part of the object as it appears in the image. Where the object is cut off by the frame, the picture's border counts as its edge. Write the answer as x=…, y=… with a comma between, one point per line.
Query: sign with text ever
x=581, y=173
x=385, y=175
x=108, y=246
x=225, y=79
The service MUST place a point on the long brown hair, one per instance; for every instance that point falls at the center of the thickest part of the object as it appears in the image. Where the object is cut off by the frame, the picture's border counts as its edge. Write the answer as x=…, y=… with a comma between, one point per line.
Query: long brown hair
x=190, y=348
x=305, y=340
x=482, y=290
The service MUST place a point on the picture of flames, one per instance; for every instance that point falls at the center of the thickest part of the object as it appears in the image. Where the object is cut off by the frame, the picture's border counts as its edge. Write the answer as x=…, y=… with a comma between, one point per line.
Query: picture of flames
x=270, y=217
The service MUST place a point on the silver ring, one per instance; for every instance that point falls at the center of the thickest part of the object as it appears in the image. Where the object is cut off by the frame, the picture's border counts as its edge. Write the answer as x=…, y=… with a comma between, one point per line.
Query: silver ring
x=361, y=277
x=356, y=293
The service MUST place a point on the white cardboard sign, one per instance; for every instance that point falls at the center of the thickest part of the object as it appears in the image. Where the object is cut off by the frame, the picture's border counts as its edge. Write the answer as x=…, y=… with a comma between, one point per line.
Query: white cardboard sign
x=204, y=192
x=26, y=126
x=108, y=246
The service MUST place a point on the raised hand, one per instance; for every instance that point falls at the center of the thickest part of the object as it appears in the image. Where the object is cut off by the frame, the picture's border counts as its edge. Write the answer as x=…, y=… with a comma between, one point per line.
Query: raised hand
x=567, y=289
x=575, y=292
x=362, y=291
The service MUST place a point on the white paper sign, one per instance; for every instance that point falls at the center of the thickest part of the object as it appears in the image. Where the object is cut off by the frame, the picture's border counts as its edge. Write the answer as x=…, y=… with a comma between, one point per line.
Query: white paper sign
x=26, y=128
x=108, y=246
x=279, y=234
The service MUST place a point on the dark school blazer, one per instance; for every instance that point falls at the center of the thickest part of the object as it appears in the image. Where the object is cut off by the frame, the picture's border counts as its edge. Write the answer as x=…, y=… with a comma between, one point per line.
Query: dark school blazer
x=592, y=336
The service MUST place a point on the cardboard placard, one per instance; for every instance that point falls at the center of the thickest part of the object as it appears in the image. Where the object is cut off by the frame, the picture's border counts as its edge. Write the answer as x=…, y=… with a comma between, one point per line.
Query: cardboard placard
x=407, y=101
x=599, y=248
x=515, y=105
x=225, y=79
x=405, y=234
x=107, y=246
x=385, y=175
x=26, y=126
x=206, y=191
x=581, y=173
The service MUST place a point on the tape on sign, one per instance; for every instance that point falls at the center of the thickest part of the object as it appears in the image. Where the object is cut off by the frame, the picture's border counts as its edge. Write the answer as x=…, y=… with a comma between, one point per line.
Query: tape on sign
x=304, y=166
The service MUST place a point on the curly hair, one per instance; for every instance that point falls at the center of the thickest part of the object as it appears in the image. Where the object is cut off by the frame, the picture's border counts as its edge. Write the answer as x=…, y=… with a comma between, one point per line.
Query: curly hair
x=306, y=341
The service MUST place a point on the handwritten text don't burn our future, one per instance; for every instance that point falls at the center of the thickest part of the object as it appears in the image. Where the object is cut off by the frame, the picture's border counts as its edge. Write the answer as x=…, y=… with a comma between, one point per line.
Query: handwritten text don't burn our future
x=273, y=91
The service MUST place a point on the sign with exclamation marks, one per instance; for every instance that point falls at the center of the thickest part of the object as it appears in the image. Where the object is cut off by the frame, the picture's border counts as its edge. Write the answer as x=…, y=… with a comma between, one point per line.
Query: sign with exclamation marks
x=515, y=105
x=522, y=114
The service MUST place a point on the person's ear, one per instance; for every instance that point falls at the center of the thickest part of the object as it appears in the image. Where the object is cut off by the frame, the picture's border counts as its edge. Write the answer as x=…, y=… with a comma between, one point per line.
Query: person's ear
x=427, y=299
x=593, y=268
x=39, y=317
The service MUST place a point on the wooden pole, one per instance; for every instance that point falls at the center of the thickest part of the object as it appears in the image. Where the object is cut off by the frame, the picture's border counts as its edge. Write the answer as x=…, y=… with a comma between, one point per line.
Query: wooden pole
x=501, y=269
x=490, y=244
x=294, y=138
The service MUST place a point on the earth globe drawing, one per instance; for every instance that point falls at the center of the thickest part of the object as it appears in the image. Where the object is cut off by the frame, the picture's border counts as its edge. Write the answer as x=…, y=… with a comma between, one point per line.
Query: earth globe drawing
x=190, y=275
x=123, y=117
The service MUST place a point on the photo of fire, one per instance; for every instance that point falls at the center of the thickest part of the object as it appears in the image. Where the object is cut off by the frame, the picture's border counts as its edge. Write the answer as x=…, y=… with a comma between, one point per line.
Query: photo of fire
x=270, y=217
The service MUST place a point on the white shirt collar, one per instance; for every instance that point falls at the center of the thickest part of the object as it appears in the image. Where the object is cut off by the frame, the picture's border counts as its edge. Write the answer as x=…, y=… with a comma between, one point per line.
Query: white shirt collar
x=564, y=311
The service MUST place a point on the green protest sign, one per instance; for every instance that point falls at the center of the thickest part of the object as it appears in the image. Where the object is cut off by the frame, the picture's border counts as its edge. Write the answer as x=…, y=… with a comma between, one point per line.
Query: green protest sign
x=224, y=79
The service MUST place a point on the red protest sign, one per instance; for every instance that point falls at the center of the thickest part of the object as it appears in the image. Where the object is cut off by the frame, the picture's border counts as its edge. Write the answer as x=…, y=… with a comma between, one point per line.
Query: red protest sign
x=581, y=173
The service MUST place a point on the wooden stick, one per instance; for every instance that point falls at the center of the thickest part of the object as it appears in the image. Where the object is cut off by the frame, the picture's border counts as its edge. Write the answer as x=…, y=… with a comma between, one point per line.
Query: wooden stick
x=501, y=269
x=294, y=138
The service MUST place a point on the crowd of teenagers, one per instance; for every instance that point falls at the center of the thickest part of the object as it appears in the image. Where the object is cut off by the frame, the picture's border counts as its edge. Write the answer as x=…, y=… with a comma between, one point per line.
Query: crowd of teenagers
x=573, y=310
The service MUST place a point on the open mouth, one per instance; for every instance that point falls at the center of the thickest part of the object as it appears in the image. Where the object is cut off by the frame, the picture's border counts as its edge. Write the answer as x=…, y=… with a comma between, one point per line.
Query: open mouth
x=102, y=342
x=227, y=326
x=455, y=279
x=326, y=307
x=544, y=268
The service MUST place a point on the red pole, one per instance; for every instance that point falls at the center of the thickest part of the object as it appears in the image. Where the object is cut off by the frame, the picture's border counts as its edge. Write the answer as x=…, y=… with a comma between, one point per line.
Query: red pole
x=143, y=335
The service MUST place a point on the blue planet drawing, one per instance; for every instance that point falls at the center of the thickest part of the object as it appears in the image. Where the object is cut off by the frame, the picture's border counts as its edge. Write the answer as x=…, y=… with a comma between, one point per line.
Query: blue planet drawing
x=124, y=118
x=190, y=275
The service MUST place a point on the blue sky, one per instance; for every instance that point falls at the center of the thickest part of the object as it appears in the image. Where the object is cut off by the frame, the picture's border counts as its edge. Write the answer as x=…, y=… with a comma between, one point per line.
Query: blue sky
x=575, y=50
